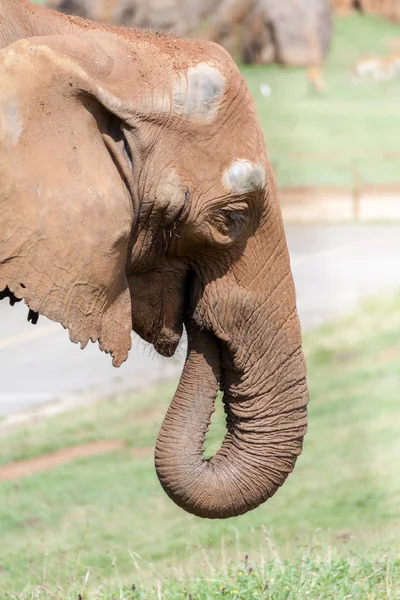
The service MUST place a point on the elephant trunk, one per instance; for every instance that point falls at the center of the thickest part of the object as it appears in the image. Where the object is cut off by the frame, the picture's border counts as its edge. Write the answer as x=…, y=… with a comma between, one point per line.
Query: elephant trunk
x=263, y=439
x=257, y=362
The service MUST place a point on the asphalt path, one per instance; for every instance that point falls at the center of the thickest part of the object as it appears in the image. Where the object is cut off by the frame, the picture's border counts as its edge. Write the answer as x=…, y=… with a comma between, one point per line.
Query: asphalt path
x=334, y=267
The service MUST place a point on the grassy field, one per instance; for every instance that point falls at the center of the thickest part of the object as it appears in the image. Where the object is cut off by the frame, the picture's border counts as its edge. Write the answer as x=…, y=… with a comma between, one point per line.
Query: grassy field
x=354, y=127
x=100, y=524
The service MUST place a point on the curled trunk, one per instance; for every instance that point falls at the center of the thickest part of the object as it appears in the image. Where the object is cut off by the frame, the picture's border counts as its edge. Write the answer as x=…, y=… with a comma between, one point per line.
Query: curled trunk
x=263, y=439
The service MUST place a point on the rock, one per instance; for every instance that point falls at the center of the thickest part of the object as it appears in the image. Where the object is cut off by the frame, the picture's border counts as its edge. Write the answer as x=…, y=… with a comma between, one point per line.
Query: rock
x=343, y=6
x=292, y=32
x=151, y=14
x=389, y=9
x=175, y=16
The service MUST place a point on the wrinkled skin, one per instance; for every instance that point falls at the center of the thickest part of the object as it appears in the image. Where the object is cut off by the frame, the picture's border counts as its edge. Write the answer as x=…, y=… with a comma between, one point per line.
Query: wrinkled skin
x=136, y=194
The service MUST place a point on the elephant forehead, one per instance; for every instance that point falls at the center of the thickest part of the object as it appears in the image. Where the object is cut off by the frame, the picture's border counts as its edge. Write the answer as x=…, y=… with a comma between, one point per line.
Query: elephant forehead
x=199, y=91
x=244, y=177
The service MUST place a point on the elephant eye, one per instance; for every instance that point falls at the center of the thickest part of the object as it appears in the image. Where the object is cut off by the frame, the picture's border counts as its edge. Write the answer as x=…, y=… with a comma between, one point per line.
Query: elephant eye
x=230, y=222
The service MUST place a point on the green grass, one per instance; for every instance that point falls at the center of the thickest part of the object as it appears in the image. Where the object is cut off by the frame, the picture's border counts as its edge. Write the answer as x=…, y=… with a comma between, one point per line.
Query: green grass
x=329, y=578
x=333, y=531
x=318, y=140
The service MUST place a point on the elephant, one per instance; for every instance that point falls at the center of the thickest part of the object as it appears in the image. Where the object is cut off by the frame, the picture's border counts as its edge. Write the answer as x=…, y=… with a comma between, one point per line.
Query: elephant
x=136, y=195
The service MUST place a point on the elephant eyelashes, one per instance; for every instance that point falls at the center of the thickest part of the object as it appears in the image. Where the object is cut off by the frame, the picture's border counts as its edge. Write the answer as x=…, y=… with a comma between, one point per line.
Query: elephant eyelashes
x=230, y=222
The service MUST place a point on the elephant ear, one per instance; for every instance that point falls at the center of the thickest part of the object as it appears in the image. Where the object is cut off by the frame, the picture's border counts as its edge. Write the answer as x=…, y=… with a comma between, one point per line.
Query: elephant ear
x=66, y=211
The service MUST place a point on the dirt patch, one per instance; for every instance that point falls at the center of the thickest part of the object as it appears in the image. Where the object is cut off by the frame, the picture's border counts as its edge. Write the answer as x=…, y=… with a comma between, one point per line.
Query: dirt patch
x=143, y=452
x=25, y=468
x=388, y=355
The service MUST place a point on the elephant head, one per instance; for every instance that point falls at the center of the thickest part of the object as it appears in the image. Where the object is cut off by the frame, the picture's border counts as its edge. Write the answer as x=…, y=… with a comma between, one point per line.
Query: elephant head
x=136, y=194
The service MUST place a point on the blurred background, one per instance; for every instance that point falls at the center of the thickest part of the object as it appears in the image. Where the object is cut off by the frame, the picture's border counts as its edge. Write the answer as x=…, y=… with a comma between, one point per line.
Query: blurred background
x=326, y=80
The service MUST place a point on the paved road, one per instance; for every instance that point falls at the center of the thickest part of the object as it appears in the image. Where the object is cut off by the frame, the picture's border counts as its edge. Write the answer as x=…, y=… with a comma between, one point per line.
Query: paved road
x=334, y=267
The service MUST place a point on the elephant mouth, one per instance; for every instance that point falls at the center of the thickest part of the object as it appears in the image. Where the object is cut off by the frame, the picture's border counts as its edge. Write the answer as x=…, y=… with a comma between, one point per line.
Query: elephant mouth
x=165, y=332
x=166, y=342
